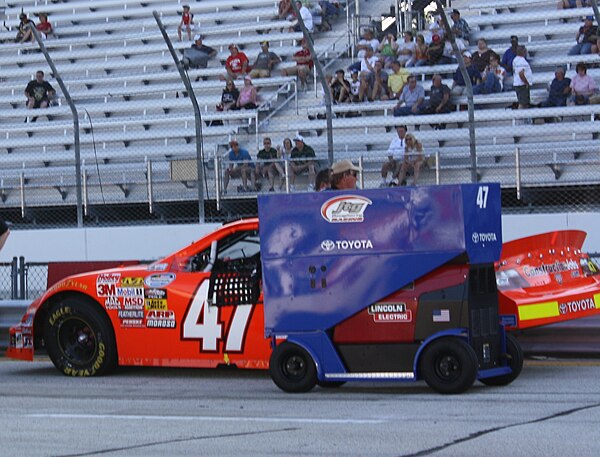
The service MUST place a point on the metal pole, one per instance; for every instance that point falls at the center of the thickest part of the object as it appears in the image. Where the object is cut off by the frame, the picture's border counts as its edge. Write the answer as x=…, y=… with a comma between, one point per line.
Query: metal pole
x=197, y=114
x=69, y=100
x=14, y=279
x=22, y=274
x=596, y=11
x=518, y=171
x=361, y=165
x=437, y=167
x=218, y=182
x=469, y=86
x=150, y=191
x=321, y=73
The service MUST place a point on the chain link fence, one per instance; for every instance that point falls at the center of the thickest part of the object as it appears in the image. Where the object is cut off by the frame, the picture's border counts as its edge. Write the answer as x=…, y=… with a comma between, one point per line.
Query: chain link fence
x=138, y=132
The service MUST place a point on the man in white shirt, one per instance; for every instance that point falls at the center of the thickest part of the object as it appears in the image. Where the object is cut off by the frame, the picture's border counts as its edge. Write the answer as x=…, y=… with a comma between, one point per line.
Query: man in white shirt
x=395, y=155
x=306, y=16
x=523, y=77
x=367, y=42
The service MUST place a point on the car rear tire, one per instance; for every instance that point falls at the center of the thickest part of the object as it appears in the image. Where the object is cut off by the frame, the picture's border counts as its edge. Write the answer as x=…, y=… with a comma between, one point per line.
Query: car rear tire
x=292, y=368
x=515, y=362
x=448, y=365
x=79, y=338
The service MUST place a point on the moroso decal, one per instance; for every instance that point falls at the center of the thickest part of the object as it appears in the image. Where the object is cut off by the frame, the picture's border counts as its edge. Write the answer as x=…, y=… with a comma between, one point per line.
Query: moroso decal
x=390, y=312
x=345, y=208
x=160, y=280
x=161, y=319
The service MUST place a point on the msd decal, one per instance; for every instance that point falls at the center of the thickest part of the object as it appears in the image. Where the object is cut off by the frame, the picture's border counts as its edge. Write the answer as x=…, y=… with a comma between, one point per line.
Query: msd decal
x=345, y=208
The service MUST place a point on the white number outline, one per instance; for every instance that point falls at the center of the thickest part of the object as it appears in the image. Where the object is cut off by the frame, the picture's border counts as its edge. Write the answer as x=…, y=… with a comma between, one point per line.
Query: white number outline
x=482, y=196
x=203, y=323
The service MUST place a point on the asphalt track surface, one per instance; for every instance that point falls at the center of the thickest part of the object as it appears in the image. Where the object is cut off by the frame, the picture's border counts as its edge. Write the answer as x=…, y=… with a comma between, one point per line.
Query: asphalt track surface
x=552, y=409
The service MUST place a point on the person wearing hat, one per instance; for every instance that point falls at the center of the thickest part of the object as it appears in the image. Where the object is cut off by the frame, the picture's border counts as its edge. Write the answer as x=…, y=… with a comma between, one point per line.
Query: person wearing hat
x=586, y=37
x=302, y=160
x=344, y=175
x=236, y=64
x=435, y=52
x=265, y=62
x=187, y=22
x=460, y=27
x=458, y=82
x=44, y=27
x=24, y=33
x=198, y=54
x=559, y=89
x=240, y=165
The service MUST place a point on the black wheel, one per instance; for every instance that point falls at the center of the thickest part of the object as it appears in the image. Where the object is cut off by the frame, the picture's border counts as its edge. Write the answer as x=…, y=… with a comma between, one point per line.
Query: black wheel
x=330, y=384
x=292, y=368
x=448, y=365
x=514, y=354
x=79, y=338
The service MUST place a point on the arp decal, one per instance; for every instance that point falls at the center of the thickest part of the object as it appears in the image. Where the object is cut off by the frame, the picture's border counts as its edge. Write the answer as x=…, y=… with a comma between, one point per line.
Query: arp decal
x=161, y=319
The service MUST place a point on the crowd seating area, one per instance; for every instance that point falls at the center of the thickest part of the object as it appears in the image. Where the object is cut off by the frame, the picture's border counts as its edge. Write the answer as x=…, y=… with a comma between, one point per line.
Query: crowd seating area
x=136, y=118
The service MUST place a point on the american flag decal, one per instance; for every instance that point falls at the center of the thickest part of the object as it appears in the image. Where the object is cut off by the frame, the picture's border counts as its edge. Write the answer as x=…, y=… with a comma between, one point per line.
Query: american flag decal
x=441, y=315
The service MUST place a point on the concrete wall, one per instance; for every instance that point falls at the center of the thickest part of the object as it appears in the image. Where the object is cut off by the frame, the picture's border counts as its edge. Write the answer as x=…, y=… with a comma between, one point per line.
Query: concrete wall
x=154, y=242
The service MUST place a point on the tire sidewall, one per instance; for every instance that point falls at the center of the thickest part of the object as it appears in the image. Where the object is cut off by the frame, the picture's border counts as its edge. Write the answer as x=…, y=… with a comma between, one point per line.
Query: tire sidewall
x=280, y=356
x=104, y=355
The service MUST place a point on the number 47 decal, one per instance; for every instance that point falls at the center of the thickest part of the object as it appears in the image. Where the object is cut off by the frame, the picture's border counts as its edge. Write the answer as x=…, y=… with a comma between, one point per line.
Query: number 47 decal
x=202, y=323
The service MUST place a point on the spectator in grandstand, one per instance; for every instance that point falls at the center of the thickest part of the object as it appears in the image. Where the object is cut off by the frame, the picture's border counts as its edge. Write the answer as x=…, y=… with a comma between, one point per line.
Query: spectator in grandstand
x=304, y=65
x=395, y=157
x=39, y=92
x=481, y=57
x=523, y=77
x=492, y=80
x=340, y=88
x=510, y=54
x=377, y=83
x=583, y=86
x=413, y=159
x=460, y=27
x=198, y=54
x=240, y=165
x=344, y=175
x=406, y=49
x=286, y=10
x=44, y=27
x=306, y=16
x=4, y=232
x=411, y=99
x=354, y=87
x=368, y=41
x=319, y=22
x=436, y=28
x=248, y=97
x=558, y=89
x=586, y=37
x=397, y=80
x=285, y=150
x=302, y=160
x=186, y=23
x=449, y=50
x=236, y=64
x=229, y=97
x=435, y=51
x=24, y=32
x=566, y=4
x=421, y=53
x=267, y=166
x=323, y=180
x=265, y=62
x=387, y=49
x=439, y=98
x=458, y=82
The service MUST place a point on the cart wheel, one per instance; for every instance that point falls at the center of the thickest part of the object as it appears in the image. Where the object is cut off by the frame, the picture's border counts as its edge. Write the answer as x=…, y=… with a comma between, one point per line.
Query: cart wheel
x=292, y=368
x=79, y=338
x=448, y=365
x=330, y=384
x=515, y=362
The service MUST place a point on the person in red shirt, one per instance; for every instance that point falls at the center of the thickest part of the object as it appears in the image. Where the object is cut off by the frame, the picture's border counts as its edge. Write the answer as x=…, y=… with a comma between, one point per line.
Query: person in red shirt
x=236, y=64
x=304, y=65
x=187, y=22
x=44, y=27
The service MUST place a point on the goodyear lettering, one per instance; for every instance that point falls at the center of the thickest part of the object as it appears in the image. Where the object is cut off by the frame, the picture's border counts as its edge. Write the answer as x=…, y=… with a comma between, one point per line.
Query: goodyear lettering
x=156, y=303
x=132, y=282
x=576, y=306
x=130, y=314
x=555, y=267
x=58, y=313
x=70, y=283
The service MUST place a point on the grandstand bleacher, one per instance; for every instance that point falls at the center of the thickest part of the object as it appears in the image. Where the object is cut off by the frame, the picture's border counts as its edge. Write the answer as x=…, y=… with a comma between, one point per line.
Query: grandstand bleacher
x=134, y=109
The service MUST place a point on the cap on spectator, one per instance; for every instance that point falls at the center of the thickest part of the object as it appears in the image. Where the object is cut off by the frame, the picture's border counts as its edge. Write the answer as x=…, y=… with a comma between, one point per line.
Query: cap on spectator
x=22, y=16
x=337, y=72
x=354, y=72
x=436, y=38
x=264, y=43
x=589, y=18
x=198, y=37
x=467, y=54
x=232, y=45
x=341, y=166
x=186, y=7
x=299, y=137
x=455, y=11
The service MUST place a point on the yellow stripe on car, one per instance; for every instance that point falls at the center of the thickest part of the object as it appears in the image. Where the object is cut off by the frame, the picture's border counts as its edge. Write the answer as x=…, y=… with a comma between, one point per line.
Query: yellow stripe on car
x=539, y=310
x=597, y=300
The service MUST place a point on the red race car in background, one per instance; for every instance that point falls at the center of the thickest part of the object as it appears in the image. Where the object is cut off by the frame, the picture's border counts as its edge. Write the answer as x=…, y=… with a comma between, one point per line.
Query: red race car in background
x=161, y=314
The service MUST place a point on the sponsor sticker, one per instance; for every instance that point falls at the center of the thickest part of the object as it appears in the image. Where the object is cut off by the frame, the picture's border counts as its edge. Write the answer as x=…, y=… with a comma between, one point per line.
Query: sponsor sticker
x=130, y=314
x=390, y=312
x=483, y=237
x=133, y=302
x=548, y=268
x=112, y=303
x=156, y=304
x=161, y=319
x=130, y=292
x=345, y=208
x=108, y=278
x=576, y=306
x=156, y=293
x=132, y=323
x=132, y=282
x=160, y=279
x=158, y=267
